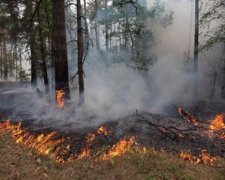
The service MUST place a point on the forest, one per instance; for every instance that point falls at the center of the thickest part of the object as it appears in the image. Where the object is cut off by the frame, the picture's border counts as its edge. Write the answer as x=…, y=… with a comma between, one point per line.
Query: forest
x=112, y=89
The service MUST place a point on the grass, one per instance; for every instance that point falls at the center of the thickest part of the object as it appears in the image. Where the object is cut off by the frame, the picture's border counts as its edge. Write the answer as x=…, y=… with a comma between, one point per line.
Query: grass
x=18, y=162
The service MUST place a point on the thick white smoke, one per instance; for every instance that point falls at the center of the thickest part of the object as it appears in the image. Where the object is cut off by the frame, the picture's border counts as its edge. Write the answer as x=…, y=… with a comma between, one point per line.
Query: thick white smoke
x=116, y=90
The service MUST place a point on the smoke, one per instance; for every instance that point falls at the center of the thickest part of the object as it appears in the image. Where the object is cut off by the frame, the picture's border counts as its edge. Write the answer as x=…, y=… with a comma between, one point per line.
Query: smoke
x=114, y=90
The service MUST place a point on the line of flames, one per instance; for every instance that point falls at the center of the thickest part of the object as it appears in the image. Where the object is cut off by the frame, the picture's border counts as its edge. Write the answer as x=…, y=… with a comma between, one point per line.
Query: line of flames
x=204, y=157
x=217, y=124
x=48, y=144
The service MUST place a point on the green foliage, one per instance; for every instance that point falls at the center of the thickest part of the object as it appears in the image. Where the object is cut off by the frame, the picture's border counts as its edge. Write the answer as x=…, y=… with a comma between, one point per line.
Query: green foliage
x=212, y=22
x=134, y=26
x=23, y=75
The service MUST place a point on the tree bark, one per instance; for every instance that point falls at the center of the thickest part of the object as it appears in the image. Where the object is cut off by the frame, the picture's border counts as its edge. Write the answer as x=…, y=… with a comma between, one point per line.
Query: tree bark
x=59, y=47
x=80, y=52
x=32, y=44
x=5, y=65
x=106, y=26
x=97, y=25
x=43, y=51
x=196, y=50
x=223, y=81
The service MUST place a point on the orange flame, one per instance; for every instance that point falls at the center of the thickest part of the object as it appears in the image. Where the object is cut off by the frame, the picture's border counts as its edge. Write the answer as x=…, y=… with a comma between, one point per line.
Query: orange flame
x=42, y=143
x=188, y=116
x=123, y=146
x=103, y=130
x=51, y=145
x=204, y=157
x=90, y=137
x=60, y=102
x=218, y=122
x=85, y=153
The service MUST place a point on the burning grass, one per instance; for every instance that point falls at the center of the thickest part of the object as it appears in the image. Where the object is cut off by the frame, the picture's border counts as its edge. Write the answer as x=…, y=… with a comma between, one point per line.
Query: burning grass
x=19, y=162
x=60, y=148
x=204, y=157
x=100, y=144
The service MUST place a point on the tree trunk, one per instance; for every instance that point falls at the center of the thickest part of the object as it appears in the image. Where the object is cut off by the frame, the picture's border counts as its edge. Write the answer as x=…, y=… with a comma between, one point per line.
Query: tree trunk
x=106, y=26
x=80, y=52
x=86, y=32
x=43, y=51
x=32, y=43
x=1, y=61
x=196, y=42
x=223, y=80
x=5, y=65
x=97, y=25
x=59, y=47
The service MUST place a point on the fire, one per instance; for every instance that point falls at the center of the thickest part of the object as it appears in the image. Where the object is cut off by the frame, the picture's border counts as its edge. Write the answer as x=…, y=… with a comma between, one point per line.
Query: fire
x=42, y=143
x=85, y=153
x=204, y=157
x=188, y=116
x=123, y=146
x=60, y=102
x=218, y=122
x=59, y=149
x=90, y=137
x=103, y=130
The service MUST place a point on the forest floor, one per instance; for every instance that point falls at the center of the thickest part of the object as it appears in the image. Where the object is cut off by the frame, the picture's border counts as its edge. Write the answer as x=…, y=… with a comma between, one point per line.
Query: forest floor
x=19, y=162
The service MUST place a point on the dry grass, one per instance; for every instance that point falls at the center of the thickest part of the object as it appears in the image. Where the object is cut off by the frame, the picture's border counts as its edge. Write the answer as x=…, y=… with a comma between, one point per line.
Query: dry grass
x=18, y=162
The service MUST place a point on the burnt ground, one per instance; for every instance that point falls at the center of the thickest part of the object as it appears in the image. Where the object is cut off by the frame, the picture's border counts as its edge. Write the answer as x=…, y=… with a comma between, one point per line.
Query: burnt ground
x=168, y=136
x=151, y=130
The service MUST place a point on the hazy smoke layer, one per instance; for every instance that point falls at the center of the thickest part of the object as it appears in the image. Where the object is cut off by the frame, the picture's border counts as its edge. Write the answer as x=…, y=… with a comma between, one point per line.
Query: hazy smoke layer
x=116, y=90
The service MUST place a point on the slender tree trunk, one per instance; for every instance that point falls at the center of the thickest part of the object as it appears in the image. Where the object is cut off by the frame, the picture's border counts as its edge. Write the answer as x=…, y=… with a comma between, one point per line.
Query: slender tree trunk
x=80, y=52
x=5, y=65
x=223, y=81
x=59, y=47
x=1, y=57
x=32, y=43
x=33, y=60
x=43, y=52
x=213, y=86
x=106, y=26
x=196, y=51
x=86, y=32
x=97, y=26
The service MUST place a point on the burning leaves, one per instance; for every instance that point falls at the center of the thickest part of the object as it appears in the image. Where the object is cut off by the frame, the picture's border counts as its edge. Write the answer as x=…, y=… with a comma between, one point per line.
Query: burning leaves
x=60, y=149
x=204, y=157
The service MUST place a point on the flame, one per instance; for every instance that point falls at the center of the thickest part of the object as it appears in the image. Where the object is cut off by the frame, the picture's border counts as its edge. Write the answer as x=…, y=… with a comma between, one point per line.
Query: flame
x=188, y=116
x=60, y=102
x=42, y=143
x=103, y=130
x=90, y=137
x=123, y=146
x=218, y=122
x=204, y=157
x=56, y=148
x=85, y=153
